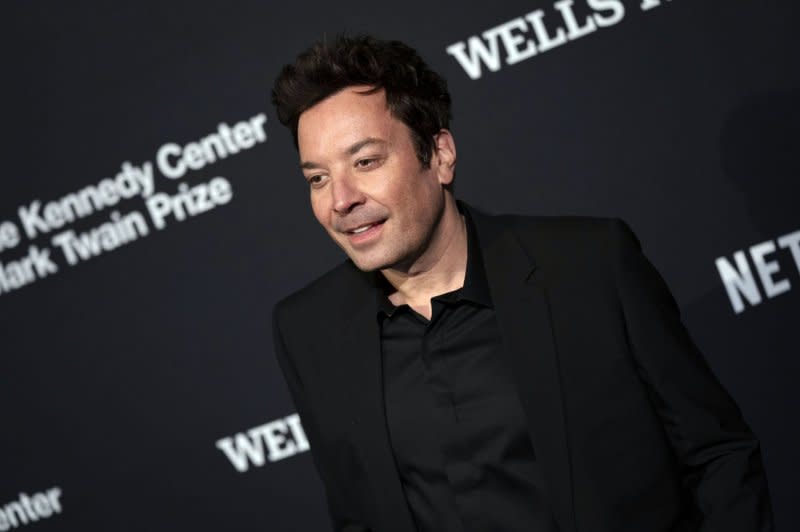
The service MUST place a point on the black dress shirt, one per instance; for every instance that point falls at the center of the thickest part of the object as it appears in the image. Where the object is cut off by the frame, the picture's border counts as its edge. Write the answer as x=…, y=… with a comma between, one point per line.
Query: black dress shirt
x=457, y=428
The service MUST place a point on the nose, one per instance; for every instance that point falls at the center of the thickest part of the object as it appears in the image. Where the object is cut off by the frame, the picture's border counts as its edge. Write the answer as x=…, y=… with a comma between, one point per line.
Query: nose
x=346, y=194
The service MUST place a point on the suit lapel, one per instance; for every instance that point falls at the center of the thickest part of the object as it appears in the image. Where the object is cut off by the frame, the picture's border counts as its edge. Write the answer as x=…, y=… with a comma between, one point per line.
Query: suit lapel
x=523, y=316
x=360, y=350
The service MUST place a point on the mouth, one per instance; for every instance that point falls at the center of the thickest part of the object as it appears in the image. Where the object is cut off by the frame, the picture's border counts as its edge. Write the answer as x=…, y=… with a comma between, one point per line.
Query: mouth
x=363, y=228
x=364, y=233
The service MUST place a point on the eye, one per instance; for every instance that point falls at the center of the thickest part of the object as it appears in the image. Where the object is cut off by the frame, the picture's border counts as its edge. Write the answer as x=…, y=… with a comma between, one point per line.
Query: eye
x=369, y=162
x=317, y=180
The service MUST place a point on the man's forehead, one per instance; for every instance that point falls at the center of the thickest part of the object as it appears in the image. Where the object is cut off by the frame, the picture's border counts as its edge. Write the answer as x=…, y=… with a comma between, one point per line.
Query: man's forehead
x=344, y=123
x=350, y=150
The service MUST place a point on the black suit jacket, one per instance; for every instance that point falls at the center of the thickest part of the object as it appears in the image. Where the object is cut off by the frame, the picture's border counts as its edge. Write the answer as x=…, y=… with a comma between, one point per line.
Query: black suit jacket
x=633, y=430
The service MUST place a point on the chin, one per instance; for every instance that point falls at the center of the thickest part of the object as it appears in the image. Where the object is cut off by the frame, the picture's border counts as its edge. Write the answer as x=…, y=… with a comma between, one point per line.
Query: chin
x=367, y=265
x=369, y=262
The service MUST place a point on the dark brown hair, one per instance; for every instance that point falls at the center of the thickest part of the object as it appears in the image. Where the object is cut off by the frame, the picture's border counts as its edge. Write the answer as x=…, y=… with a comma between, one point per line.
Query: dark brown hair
x=415, y=94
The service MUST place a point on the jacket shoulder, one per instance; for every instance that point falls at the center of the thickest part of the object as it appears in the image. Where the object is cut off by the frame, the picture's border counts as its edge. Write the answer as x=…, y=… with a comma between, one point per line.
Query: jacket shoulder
x=566, y=234
x=572, y=225
x=322, y=294
x=571, y=245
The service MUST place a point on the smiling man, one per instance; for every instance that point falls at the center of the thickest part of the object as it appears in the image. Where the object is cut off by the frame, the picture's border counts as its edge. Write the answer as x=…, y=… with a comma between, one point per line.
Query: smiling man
x=371, y=193
x=468, y=372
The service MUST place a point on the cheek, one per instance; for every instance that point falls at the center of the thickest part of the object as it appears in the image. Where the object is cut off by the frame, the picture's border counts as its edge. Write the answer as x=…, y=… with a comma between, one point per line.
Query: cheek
x=424, y=198
x=414, y=190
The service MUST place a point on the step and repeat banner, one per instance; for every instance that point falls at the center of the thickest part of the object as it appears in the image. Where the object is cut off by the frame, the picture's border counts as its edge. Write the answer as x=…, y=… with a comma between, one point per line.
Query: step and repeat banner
x=153, y=211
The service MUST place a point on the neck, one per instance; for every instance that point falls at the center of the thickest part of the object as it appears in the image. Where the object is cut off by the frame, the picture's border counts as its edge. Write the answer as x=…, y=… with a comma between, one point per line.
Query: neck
x=440, y=269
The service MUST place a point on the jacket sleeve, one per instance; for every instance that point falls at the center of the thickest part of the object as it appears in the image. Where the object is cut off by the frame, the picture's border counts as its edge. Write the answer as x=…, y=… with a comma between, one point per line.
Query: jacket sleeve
x=339, y=522
x=721, y=456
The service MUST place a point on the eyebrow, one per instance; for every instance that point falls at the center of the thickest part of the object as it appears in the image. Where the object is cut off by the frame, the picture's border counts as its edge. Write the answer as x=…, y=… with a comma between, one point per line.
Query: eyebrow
x=350, y=150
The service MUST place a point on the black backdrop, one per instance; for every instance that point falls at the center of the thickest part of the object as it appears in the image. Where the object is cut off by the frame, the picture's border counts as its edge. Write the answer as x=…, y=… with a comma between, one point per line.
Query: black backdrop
x=124, y=376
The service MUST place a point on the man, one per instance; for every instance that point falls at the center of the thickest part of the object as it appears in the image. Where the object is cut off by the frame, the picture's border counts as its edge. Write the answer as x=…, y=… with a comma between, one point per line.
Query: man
x=469, y=372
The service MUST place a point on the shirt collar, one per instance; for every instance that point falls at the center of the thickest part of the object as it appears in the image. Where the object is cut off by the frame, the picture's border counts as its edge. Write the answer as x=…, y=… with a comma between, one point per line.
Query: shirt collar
x=476, y=286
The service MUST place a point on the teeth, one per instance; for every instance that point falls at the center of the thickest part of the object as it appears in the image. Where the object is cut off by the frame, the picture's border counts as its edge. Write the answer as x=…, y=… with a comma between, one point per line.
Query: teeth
x=361, y=229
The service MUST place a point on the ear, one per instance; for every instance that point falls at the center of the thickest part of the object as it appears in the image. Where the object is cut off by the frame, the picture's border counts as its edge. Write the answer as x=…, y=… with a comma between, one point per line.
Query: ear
x=444, y=158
